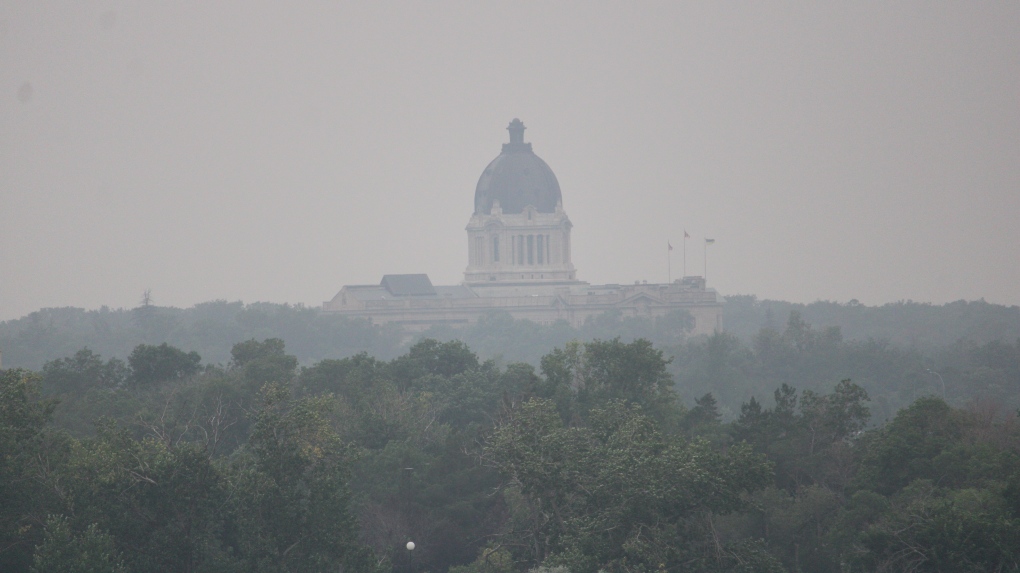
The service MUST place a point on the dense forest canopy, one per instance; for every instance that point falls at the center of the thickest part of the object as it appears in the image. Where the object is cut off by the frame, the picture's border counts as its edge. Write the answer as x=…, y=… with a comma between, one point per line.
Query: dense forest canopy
x=206, y=440
x=212, y=328
x=920, y=326
x=898, y=352
x=593, y=460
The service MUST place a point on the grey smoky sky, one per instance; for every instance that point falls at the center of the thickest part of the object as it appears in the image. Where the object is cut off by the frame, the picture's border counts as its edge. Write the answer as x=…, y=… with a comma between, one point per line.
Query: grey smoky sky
x=275, y=151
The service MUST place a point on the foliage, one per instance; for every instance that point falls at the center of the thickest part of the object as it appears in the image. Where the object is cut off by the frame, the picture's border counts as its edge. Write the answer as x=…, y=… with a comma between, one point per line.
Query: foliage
x=618, y=493
x=162, y=504
x=613, y=454
x=291, y=494
x=933, y=529
x=263, y=362
x=83, y=372
x=905, y=323
x=153, y=364
x=909, y=447
x=93, y=551
x=897, y=353
x=210, y=327
x=581, y=376
x=491, y=560
x=23, y=417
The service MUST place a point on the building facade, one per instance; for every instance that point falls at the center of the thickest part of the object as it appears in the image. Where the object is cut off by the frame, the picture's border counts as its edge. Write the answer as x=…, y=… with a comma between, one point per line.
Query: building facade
x=519, y=262
x=519, y=232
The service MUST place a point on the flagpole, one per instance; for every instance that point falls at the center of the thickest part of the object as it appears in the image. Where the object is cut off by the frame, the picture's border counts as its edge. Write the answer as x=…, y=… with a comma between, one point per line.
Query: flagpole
x=707, y=243
x=685, y=252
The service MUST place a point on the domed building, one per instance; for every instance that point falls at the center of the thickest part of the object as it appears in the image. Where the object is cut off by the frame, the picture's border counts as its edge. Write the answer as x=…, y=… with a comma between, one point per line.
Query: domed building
x=519, y=262
x=519, y=232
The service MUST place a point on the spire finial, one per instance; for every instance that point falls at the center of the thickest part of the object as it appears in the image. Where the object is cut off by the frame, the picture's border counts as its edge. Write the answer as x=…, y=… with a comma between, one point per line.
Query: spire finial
x=516, y=129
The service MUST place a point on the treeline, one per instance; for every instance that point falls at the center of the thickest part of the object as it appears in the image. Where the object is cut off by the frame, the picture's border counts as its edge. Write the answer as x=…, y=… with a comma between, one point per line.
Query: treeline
x=591, y=461
x=212, y=328
x=767, y=343
x=798, y=354
x=920, y=326
x=791, y=351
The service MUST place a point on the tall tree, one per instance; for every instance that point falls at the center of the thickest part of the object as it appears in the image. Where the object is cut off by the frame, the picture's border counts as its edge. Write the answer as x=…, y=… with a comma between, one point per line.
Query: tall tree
x=23, y=417
x=618, y=494
x=163, y=363
x=82, y=372
x=263, y=362
x=291, y=496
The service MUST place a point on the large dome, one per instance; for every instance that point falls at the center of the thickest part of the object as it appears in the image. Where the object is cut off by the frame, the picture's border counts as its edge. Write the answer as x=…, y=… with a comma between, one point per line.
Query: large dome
x=517, y=178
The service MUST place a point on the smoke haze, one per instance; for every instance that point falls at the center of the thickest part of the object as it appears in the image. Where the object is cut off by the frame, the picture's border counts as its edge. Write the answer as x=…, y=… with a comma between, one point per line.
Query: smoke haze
x=277, y=151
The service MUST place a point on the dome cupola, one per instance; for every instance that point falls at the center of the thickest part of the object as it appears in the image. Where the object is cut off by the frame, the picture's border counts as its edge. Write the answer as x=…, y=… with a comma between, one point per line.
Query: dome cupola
x=519, y=233
x=517, y=178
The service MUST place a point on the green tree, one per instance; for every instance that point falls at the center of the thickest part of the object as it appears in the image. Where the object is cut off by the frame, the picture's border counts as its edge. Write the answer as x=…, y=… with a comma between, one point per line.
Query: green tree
x=808, y=437
x=580, y=376
x=263, y=362
x=355, y=378
x=618, y=493
x=82, y=372
x=290, y=496
x=87, y=388
x=705, y=413
x=430, y=357
x=907, y=448
x=163, y=363
x=929, y=529
x=495, y=560
x=23, y=417
x=161, y=503
x=62, y=551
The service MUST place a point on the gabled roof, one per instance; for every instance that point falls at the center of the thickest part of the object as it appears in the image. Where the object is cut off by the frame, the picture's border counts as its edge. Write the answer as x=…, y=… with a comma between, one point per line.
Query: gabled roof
x=639, y=296
x=408, y=285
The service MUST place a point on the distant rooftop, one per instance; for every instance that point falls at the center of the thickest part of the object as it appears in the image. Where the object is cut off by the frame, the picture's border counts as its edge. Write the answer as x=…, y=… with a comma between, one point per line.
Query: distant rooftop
x=408, y=285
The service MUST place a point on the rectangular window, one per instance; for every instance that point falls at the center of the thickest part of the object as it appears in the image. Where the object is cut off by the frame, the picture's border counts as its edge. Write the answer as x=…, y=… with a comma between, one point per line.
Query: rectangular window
x=479, y=251
x=531, y=249
x=548, y=258
x=520, y=249
x=495, y=249
x=541, y=249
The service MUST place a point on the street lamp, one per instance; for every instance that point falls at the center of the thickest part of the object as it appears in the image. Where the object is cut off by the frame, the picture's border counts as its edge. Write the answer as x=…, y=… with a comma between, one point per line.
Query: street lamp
x=930, y=371
x=410, y=561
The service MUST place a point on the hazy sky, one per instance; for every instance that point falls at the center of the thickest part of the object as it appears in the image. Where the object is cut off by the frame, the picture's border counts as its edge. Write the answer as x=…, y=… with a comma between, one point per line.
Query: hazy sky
x=275, y=151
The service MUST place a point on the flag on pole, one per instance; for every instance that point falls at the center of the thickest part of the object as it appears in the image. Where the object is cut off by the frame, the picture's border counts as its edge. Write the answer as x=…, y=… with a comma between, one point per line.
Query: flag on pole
x=686, y=236
x=709, y=241
x=669, y=245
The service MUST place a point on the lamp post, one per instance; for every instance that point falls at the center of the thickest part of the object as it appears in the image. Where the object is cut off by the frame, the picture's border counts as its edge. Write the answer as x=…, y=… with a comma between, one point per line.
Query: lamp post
x=930, y=371
x=410, y=560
